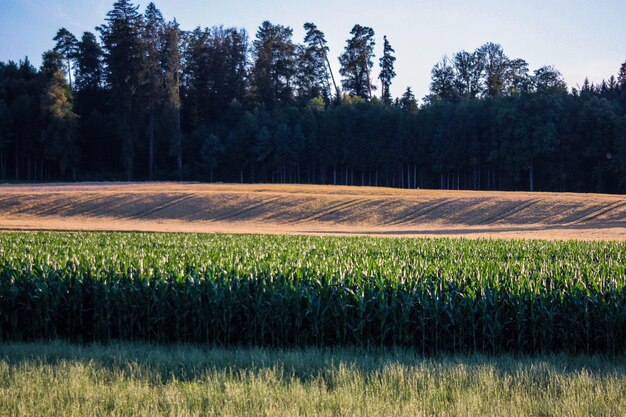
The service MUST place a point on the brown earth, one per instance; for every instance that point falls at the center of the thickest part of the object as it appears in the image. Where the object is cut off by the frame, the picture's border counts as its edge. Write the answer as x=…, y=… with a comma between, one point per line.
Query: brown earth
x=303, y=209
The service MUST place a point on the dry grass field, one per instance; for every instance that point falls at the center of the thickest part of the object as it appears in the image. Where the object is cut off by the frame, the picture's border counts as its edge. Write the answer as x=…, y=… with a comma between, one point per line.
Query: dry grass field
x=303, y=209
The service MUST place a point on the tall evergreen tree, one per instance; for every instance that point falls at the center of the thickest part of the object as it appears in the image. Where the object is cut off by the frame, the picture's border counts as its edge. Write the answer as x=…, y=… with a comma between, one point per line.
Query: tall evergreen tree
x=173, y=70
x=387, y=72
x=59, y=120
x=356, y=62
x=314, y=73
x=152, y=88
x=316, y=40
x=274, y=65
x=408, y=102
x=621, y=75
x=67, y=45
x=124, y=57
x=90, y=69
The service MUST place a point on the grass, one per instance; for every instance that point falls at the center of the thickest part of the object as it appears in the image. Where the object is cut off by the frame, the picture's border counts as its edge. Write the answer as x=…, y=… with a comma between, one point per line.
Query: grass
x=134, y=379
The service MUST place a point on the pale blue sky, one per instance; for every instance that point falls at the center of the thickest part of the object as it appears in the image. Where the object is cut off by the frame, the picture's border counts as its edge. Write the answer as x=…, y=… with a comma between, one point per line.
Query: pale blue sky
x=580, y=38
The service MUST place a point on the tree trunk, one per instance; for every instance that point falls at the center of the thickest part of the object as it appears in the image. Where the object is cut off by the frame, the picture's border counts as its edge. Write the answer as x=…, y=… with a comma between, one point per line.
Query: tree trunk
x=408, y=176
x=69, y=72
x=531, y=176
x=179, y=146
x=17, y=165
x=151, y=146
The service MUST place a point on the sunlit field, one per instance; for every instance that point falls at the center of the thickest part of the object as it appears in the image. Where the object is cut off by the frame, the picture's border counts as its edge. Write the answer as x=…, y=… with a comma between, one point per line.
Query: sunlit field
x=132, y=379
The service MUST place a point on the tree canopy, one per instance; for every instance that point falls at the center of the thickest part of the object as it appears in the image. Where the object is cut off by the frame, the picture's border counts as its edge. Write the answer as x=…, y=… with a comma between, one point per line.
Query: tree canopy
x=141, y=98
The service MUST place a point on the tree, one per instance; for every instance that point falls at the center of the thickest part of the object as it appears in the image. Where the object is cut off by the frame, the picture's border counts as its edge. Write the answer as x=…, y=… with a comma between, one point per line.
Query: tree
x=408, y=102
x=313, y=74
x=442, y=84
x=548, y=79
x=211, y=152
x=124, y=56
x=386, y=72
x=468, y=73
x=319, y=68
x=356, y=62
x=274, y=65
x=621, y=76
x=89, y=71
x=152, y=88
x=173, y=69
x=67, y=45
x=496, y=66
x=517, y=79
x=59, y=132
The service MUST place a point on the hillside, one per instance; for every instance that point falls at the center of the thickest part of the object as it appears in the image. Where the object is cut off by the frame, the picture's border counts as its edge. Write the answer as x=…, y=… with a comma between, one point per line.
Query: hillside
x=302, y=209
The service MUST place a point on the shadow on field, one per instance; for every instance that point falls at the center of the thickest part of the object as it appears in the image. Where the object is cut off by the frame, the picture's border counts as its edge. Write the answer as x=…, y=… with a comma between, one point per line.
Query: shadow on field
x=161, y=364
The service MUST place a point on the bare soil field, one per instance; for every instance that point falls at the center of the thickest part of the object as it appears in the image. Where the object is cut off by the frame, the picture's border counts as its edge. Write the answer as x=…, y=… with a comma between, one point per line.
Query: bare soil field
x=315, y=210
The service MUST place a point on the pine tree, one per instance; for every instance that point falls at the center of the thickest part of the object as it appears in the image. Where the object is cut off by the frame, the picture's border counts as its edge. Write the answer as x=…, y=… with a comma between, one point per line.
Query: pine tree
x=124, y=57
x=173, y=70
x=408, y=102
x=59, y=134
x=356, y=62
x=621, y=76
x=67, y=45
x=314, y=71
x=89, y=70
x=152, y=88
x=274, y=65
x=386, y=72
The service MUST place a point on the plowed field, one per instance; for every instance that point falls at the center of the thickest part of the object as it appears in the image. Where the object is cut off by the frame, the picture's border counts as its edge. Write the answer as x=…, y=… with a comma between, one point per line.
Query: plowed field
x=302, y=209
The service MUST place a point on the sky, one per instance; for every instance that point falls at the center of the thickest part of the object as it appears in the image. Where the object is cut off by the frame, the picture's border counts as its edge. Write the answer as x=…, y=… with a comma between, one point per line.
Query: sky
x=581, y=38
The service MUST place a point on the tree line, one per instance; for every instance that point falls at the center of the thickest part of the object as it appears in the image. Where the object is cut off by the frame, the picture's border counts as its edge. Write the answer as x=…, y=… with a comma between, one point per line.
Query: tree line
x=141, y=99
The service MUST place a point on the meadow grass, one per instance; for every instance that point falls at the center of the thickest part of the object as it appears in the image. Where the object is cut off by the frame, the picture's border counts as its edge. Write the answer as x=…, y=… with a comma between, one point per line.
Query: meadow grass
x=135, y=379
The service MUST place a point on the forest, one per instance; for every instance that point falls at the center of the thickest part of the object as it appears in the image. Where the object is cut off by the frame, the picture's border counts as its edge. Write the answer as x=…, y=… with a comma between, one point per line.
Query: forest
x=141, y=99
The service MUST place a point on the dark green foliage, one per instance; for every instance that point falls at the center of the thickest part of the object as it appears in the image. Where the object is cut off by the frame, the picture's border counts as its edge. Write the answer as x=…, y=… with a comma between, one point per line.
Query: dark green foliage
x=67, y=45
x=314, y=72
x=274, y=67
x=387, y=73
x=125, y=63
x=59, y=122
x=145, y=88
x=356, y=62
x=432, y=295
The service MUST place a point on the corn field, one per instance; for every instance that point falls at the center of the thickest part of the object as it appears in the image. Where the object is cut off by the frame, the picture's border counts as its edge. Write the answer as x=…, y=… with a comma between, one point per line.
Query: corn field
x=432, y=295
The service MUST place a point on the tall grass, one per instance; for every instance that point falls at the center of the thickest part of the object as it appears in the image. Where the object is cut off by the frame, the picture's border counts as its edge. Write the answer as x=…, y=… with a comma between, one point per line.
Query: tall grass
x=435, y=296
x=132, y=379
